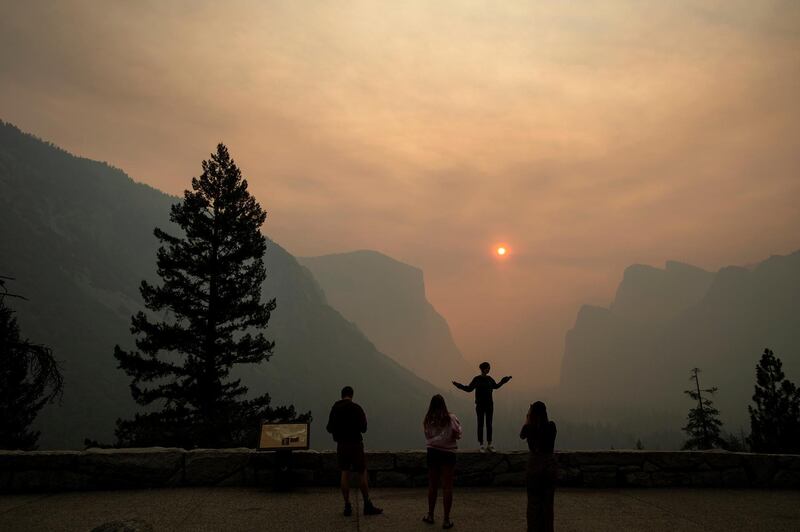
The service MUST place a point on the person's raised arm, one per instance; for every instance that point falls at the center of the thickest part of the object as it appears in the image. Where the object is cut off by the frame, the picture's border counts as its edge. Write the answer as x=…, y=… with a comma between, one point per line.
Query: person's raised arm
x=467, y=388
x=502, y=382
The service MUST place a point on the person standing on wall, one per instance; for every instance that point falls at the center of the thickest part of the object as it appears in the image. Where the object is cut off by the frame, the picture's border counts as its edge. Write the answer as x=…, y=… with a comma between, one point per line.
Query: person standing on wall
x=347, y=422
x=540, y=433
x=484, y=385
x=442, y=431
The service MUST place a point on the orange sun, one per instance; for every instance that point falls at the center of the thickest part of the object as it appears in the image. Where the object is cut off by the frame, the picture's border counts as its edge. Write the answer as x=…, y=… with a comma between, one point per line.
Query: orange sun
x=502, y=251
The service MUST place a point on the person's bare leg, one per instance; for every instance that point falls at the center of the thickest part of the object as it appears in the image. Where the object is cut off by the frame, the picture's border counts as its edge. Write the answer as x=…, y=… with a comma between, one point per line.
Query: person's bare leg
x=434, y=476
x=364, y=484
x=345, y=485
x=448, y=471
x=369, y=508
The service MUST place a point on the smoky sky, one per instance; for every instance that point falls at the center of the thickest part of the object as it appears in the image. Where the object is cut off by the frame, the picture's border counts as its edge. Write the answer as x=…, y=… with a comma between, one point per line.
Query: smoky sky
x=586, y=135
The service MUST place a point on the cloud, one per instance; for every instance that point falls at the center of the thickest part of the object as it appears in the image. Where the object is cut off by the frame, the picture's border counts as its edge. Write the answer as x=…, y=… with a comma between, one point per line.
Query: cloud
x=587, y=135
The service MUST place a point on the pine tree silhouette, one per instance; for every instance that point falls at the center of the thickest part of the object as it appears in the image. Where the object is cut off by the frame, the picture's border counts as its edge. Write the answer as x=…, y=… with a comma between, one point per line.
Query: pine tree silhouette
x=775, y=418
x=703, y=425
x=29, y=379
x=211, y=293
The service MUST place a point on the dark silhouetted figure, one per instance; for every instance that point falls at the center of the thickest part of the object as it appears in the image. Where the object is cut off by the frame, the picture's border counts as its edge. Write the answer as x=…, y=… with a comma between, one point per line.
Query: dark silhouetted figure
x=442, y=431
x=484, y=385
x=347, y=422
x=540, y=433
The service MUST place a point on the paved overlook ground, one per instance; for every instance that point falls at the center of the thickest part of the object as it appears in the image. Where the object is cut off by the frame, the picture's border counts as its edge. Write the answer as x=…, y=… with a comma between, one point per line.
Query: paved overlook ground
x=475, y=509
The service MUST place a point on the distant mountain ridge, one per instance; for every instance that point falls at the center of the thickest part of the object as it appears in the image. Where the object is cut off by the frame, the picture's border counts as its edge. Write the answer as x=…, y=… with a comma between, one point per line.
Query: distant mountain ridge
x=648, y=293
x=386, y=299
x=637, y=354
x=77, y=234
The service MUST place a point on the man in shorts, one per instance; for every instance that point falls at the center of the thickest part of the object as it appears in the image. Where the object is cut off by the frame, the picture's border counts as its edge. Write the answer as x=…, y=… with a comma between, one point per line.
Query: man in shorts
x=346, y=423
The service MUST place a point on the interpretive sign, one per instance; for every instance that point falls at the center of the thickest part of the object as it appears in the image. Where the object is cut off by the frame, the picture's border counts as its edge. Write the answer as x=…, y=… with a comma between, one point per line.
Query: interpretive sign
x=284, y=436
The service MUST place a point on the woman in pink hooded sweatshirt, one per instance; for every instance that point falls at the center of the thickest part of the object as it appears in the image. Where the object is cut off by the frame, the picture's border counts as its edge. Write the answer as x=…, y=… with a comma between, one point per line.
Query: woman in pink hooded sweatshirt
x=442, y=431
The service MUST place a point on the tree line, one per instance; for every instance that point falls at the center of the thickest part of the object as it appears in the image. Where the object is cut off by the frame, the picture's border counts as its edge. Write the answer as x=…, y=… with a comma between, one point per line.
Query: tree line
x=774, y=414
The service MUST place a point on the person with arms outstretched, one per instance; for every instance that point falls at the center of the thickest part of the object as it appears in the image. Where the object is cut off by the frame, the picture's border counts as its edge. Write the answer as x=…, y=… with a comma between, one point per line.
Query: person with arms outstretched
x=347, y=422
x=484, y=385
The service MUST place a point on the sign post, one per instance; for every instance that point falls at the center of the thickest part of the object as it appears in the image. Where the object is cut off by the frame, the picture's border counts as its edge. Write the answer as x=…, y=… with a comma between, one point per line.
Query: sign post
x=283, y=438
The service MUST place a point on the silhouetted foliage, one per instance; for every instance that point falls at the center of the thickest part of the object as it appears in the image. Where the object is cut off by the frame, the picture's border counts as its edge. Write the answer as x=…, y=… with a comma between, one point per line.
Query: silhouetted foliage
x=29, y=379
x=775, y=417
x=211, y=290
x=734, y=443
x=703, y=425
x=639, y=445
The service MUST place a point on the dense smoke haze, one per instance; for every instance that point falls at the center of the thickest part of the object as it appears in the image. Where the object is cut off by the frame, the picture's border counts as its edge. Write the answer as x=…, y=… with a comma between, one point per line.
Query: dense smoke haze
x=585, y=136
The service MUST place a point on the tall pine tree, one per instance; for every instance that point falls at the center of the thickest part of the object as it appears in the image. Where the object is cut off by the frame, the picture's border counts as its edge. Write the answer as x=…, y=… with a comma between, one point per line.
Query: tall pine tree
x=211, y=315
x=29, y=379
x=775, y=417
x=703, y=425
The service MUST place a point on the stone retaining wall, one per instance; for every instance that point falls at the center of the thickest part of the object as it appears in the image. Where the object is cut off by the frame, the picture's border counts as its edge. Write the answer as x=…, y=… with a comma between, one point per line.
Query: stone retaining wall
x=163, y=467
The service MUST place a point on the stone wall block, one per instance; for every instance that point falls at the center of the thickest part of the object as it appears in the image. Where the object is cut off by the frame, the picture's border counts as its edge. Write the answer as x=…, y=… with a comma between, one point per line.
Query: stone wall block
x=501, y=467
x=761, y=469
x=382, y=461
x=650, y=467
x=735, y=478
x=420, y=480
x=223, y=467
x=675, y=461
x=599, y=467
x=724, y=460
x=789, y=461
x=306, y=460
x=329, y=461
x=569, y=476
x=706, y=479
x=665, y=479
x=47, y=480
x=786, y=479
x=160, y=467
x=264, y=477
x=129, y=468
x=304, y=477
x=519, y=461
x=411, y=461
x=592, y=458
x=478, y=462
x=26, y=460
x=638, y=480
x=565, y=458
x=262, y=460
x=40, y=471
